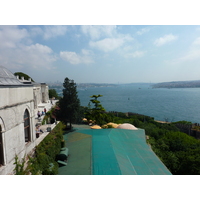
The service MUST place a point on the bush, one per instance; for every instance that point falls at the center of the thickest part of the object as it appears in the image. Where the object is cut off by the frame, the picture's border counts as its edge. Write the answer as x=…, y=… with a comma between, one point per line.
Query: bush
x=178, y=151
x=19, y=166
x=46, y=152
x=49, y=117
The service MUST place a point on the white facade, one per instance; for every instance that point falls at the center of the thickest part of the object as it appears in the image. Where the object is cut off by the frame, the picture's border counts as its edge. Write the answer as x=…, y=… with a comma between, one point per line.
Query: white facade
x=45, y=92
x=17, y=118
x=37, y=95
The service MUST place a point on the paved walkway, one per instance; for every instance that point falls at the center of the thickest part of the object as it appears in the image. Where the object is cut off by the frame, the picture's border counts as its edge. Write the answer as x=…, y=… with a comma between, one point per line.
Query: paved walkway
x=45, y=127
x=48, y=106
x=45, y=132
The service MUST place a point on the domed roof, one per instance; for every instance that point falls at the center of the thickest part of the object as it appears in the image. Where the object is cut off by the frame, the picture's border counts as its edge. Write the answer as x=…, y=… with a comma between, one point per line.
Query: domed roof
x=127, y=126
x=95, y=127
x=7, y=77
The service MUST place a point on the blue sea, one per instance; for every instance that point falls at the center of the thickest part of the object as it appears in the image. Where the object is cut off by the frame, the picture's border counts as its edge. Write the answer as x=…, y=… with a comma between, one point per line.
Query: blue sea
x=162, y=104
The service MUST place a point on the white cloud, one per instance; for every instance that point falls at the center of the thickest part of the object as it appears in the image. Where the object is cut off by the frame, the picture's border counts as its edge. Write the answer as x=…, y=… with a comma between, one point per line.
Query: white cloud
x=142, y=31
x=193, y=53
x=48, y=32
x=96, y=32
x=10, y=36
x=107, y=44
x=86, y=52
x=106, y=38
x=77, y=35
x=17, y=50
x=34, y=56
x=197, y=41
x=110, y=44
x=74, y=58
x=165, y=39
x=187, y=59
x=39, y=48
x=138, y=54
x=54, y=31
x=71, y=57
x=36, y=30
x=39, y=55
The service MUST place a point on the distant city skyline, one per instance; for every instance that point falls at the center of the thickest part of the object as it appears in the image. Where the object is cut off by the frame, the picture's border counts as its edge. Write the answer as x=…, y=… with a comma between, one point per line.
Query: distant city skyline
x=102, y=54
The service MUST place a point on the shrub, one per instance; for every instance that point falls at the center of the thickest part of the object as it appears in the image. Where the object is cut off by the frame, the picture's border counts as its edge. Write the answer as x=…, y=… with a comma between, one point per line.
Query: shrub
x=46, y=152
x=19, y=166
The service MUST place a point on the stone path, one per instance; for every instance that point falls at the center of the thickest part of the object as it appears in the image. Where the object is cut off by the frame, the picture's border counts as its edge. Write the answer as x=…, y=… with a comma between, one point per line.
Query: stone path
x=45, y=127
x=45, y=132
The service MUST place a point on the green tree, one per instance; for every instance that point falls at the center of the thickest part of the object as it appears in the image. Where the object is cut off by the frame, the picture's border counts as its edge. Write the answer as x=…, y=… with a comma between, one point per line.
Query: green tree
x=69, y=104
x=21, y=74
x=97, y=113
x=179, y=152
x=53, y=93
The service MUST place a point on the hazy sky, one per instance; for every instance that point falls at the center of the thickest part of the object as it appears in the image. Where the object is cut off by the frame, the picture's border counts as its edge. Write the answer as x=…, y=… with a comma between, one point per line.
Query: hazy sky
x=102, y=54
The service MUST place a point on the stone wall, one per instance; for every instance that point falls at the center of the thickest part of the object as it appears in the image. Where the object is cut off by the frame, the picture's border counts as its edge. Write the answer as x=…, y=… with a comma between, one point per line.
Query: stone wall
x=190, y=129
x=45, y=92
x=12, y=107
x=37, y=95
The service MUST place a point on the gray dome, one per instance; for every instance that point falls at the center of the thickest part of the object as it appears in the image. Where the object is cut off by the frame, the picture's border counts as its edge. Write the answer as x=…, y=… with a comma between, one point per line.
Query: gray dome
x=7, y=77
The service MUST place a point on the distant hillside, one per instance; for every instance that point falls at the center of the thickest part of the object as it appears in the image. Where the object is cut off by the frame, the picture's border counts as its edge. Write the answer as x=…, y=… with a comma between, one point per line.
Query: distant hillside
x=178, y=84
x=87, y=85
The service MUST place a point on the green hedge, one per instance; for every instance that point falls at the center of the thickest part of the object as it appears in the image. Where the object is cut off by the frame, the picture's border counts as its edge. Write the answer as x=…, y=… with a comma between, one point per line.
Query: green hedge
x=44, y=161
x=48, y=118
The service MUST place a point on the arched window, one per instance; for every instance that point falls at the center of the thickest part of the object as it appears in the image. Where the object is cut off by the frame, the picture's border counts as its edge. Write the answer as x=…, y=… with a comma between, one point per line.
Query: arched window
x=1, y=148
x=27, y=131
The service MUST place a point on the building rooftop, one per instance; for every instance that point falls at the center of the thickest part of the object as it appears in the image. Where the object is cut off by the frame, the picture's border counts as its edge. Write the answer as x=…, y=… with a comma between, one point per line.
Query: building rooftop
x=111, y=152
x=7, y=77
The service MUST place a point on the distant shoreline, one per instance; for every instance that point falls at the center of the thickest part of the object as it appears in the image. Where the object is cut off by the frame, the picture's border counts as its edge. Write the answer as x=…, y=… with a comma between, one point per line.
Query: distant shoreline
x=178, y=84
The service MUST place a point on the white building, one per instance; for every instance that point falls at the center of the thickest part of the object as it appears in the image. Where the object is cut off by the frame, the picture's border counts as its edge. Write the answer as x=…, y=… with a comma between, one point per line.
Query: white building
x=19, y=101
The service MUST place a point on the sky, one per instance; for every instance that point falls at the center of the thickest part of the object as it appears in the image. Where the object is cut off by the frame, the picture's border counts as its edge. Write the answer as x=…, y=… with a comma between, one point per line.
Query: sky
x=102, y=53
x=152, y=44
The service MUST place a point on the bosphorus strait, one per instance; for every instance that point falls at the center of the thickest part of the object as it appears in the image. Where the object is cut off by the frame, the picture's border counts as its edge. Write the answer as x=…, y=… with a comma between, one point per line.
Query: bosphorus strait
x=163, y=104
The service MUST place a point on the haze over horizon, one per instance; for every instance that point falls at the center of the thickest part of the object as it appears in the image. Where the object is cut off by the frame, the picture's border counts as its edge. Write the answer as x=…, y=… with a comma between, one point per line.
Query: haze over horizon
x=102, y=54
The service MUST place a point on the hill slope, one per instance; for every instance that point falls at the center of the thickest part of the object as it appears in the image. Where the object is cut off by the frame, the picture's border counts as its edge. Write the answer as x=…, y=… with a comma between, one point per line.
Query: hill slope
x=178, y=84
